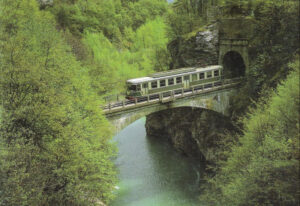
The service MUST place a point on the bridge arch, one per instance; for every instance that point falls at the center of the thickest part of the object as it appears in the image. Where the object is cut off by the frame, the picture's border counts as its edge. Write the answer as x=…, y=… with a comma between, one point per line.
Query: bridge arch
x=192, y=131
x=198, y=142
x=122, y=121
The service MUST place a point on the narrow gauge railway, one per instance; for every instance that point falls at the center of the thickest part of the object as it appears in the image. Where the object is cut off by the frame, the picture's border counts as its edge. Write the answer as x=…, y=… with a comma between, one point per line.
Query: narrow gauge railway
x=184, y=78
x=172, y=84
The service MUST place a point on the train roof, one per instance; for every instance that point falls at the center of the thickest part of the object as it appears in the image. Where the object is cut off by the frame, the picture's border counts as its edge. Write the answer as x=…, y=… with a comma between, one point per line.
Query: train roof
x=140, y=80
x=172, y=73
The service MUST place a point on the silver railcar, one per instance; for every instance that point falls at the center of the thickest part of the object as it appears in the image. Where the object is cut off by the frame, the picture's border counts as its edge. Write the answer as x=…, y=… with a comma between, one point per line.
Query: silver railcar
x=185, y=78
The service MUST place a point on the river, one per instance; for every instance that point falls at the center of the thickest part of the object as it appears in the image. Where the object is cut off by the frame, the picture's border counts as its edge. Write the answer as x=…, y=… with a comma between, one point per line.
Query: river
x=151, y=173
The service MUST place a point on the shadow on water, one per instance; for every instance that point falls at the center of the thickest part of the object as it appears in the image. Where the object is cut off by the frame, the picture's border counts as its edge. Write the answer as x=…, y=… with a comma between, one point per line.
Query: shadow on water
x=151, y=173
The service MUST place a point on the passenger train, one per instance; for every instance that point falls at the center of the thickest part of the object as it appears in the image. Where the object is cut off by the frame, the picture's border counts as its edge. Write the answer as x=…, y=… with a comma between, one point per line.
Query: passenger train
x=177, y=79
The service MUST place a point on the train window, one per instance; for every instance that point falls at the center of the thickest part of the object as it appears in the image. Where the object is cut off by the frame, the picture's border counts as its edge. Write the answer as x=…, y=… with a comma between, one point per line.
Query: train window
x=187, y=77
x=145, y=85
x=209, y=74
x=132, y=87
x=216, y=73
x=138, y=87
x=162, y=83
x=194, y=77
x=178, y=80
x=201, y=75
x=154, y=85
x=170, y=81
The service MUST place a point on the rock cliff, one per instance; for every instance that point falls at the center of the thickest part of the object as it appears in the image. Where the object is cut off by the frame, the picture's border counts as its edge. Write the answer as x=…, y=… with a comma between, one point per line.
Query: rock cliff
x=193, y=131
x=199, y=50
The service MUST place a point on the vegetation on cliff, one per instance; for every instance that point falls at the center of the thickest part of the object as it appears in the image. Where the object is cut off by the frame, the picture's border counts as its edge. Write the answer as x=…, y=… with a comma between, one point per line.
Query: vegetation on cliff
x=274, y=44
x=273, y=37
x=109, y=68
x=116, y=40
x=262, y=167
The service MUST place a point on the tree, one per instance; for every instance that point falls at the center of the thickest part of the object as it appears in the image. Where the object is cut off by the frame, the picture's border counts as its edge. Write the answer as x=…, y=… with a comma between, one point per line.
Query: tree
x=263, y=167
x=55, y=146
x=110, y=67
x=274, y=43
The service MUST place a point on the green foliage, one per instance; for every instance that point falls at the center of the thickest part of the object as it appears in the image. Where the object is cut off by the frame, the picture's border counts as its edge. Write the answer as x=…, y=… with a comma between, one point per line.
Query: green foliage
x=151, y=40
x=54, y=140
x=191, y=7
x=247, y=7
x=263, y=167
x=110, y=67
x=186, y=16
x=236, y=7
x=55, y=146
x=109, y=17
x=274, y=44
x=81, y=15
x=137, y=13
x=109, y=37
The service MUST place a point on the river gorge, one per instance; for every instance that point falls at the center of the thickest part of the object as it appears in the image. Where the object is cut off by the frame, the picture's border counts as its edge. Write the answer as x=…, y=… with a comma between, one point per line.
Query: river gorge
x=152, y=173
x=162, y=157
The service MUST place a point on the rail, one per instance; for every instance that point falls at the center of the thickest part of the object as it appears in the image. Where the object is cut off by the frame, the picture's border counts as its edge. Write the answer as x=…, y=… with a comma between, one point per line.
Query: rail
x=172, y=94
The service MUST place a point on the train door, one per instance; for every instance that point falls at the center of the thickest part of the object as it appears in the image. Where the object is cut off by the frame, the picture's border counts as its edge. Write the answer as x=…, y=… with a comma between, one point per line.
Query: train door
x=145, y=87
x=186, y=81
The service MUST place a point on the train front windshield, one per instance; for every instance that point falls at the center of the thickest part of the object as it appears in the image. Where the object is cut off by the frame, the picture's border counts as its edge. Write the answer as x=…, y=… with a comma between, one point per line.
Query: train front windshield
x=133, y=87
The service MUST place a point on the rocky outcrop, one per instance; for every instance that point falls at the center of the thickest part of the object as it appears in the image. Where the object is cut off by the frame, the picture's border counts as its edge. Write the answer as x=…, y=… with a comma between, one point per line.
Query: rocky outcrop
x=199, y=50
x=194, y=132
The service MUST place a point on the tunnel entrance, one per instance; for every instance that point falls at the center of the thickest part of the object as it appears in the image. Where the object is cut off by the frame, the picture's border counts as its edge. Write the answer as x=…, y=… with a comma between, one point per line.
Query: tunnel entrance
x=233, y=64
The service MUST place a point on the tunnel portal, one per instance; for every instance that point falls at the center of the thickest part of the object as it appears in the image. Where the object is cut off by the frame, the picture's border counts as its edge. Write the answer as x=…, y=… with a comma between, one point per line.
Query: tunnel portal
x=234, y=65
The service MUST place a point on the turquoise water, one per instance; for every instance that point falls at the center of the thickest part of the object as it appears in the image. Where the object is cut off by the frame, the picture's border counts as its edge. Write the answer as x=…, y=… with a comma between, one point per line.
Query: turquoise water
x=151, y=173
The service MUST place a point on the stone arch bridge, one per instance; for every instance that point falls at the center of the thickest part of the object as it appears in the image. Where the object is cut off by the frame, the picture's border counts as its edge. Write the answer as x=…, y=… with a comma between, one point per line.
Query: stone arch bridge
x=216, y=98
x=234, y=35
